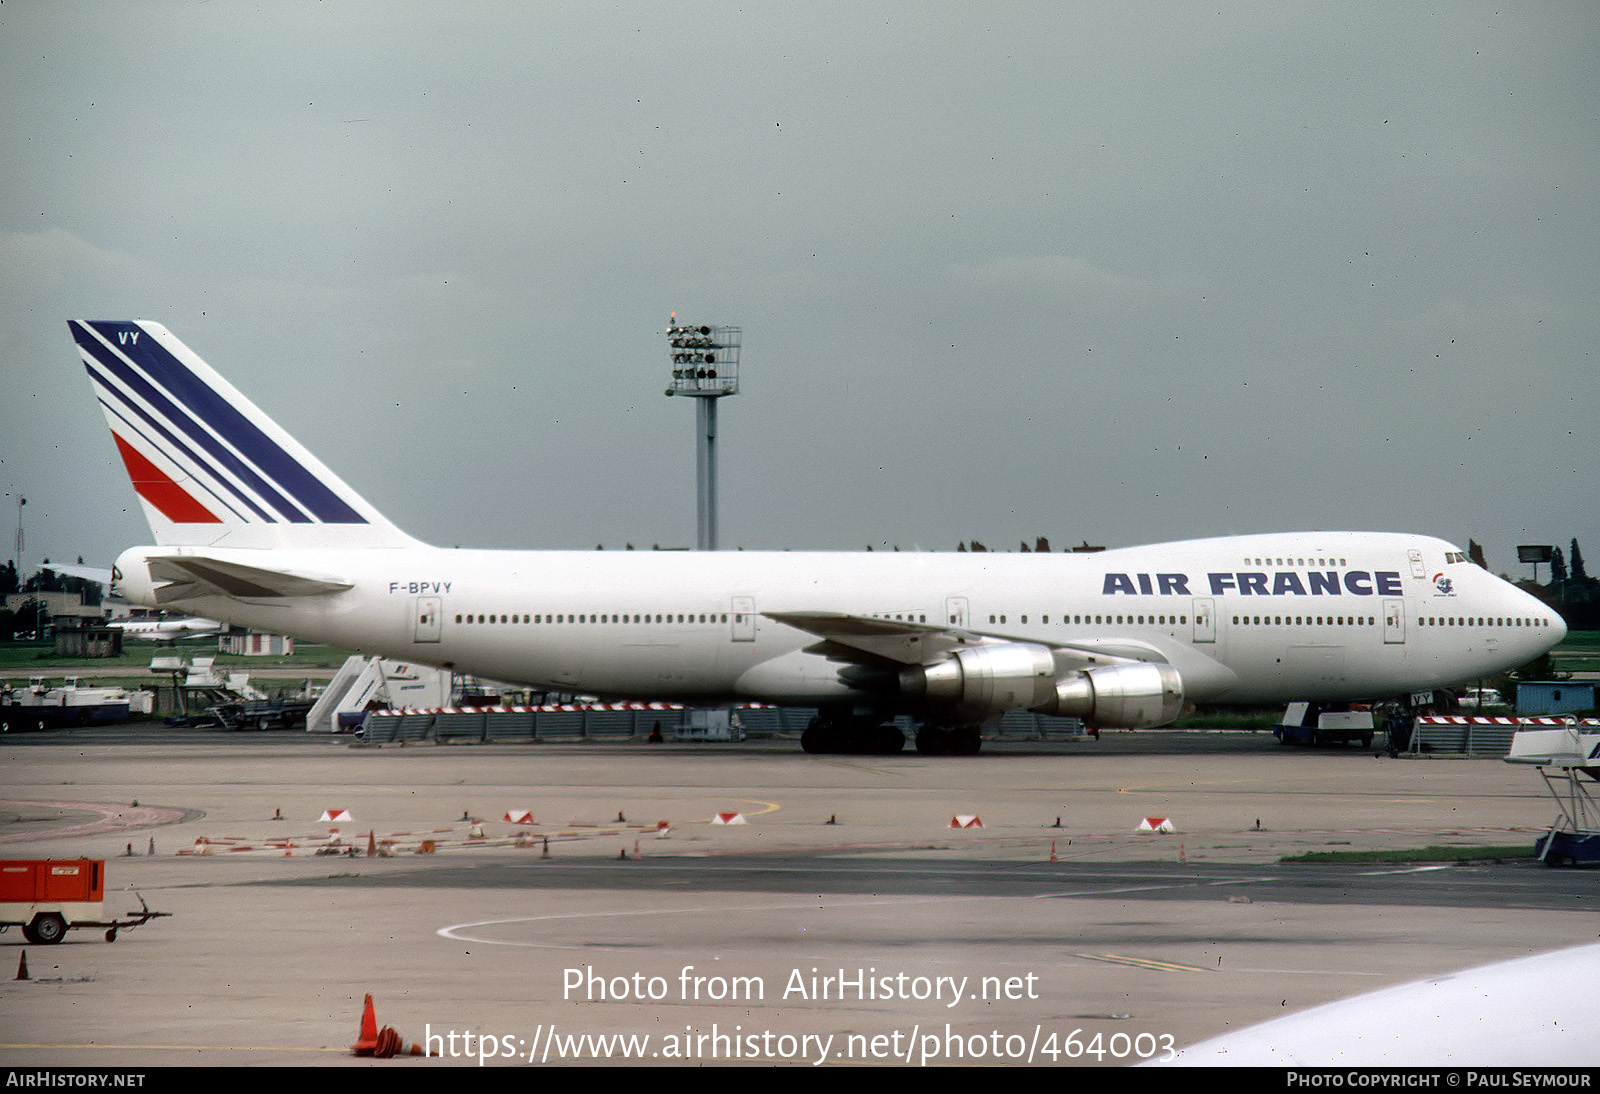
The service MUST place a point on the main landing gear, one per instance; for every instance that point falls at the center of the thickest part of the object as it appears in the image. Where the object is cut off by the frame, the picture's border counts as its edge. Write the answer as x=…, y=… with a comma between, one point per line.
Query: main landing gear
x=851, y=735
x=868, y=734
x=935, y=740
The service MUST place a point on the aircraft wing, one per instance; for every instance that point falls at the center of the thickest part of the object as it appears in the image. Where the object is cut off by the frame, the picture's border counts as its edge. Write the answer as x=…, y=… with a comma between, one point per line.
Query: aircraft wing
x=890, y=640
x=972, y=675
x=187, y=577
x=869, y=640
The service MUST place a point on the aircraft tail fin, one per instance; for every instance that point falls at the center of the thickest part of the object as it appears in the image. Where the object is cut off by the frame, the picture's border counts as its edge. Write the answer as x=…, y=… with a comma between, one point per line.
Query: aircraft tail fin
x=210, y=468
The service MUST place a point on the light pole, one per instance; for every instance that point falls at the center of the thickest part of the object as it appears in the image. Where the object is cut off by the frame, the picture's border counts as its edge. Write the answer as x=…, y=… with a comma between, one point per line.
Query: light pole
x=705, y=367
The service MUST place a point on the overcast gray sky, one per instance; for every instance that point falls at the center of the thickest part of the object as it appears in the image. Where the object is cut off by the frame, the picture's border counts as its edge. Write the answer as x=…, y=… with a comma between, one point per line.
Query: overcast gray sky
x=1123, y=272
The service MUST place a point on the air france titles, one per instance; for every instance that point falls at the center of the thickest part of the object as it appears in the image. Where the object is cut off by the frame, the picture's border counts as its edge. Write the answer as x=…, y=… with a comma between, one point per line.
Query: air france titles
x=1261, y=583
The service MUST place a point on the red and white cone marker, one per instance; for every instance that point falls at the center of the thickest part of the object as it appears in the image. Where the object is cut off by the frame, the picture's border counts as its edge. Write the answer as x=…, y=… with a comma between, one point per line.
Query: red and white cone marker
x=367, y=1039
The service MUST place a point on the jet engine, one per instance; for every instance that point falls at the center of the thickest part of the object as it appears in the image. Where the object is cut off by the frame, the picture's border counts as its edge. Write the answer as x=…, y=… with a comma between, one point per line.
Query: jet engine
x=1136, y=695
x=989, y=680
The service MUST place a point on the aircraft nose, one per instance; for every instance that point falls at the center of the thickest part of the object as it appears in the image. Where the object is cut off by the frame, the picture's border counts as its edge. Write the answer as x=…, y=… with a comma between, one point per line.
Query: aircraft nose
x=1527, y=604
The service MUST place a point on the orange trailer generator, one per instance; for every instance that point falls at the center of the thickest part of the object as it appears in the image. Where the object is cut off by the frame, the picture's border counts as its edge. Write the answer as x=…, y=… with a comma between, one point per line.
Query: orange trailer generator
x=48, y=897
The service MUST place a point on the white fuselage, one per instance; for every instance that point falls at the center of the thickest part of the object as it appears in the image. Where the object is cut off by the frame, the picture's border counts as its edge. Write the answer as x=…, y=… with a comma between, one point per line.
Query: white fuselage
x=1263, y=618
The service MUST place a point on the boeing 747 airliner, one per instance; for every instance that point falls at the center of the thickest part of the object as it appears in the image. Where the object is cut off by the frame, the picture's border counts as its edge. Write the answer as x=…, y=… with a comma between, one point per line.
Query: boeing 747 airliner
x=253, y=530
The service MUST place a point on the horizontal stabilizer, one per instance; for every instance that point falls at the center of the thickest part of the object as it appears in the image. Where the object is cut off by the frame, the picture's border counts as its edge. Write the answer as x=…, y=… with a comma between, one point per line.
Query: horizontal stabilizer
x=100, y=575
x=185, y=577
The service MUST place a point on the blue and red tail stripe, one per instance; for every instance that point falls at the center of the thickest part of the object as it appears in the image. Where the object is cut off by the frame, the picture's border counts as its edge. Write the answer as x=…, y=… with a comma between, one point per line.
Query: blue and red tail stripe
x=168, y=443
x=195, y=427
x=122, y=429
x=156, y=487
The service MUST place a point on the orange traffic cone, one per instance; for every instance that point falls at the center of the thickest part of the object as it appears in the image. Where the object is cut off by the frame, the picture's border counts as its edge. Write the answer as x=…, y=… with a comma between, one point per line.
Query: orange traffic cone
x=22, y=967
x=390, y=1043
x=367, y=1044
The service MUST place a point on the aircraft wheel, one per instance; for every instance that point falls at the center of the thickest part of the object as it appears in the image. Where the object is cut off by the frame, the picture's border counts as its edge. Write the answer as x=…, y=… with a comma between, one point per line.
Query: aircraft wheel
x=111, y=935
x=966, y=741
x=816, y=739
x=949, y=740
x=49, y=929
x=889, y=740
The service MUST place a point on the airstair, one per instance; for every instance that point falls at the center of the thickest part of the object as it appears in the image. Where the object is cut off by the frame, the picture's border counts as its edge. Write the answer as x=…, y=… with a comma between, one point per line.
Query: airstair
x=372, y=683
x=1564, y=758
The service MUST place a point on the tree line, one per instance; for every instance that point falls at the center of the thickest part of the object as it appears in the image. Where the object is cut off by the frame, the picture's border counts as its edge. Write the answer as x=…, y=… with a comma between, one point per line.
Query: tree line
x=1570, y=591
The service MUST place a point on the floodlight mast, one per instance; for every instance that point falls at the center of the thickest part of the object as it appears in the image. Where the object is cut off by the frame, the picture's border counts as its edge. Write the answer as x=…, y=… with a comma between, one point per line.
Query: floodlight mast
x=705, y=367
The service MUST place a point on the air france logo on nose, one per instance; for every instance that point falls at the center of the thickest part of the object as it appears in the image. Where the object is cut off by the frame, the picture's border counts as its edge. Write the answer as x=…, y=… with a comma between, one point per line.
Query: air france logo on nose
x=1259, y=583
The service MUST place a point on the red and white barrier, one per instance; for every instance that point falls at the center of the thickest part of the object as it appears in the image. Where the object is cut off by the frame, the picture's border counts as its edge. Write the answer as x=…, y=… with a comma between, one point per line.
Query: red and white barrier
x=1484, y=720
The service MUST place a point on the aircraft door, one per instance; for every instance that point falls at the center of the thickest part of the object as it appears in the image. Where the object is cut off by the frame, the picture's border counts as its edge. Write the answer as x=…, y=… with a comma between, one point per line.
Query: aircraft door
x=1394, y=621
x=744, y=619
x=955, y=611
x=1205, y=622
x=430, y=618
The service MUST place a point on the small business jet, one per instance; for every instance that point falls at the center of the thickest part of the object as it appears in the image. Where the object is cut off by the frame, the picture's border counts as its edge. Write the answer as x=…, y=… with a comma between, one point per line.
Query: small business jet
x=252, y=529
x=167, y=630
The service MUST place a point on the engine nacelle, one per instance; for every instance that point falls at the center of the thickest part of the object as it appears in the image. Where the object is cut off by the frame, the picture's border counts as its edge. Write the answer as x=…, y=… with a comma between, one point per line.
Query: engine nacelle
x=986, y=680
x=1134, y=696
x=989, y=680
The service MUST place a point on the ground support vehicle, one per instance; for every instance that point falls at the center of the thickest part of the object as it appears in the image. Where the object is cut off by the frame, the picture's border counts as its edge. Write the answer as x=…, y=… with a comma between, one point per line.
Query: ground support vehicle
x=49, y=897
